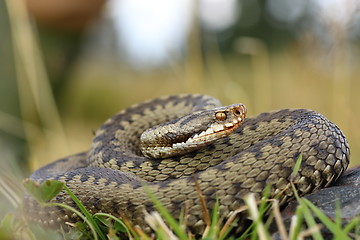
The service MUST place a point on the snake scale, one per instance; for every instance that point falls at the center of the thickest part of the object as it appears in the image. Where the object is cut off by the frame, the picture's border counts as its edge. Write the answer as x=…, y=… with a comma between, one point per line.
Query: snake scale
x=263, y=150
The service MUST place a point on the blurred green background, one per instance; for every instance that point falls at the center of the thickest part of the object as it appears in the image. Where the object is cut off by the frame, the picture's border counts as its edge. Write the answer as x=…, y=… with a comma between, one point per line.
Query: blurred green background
x=65, y=67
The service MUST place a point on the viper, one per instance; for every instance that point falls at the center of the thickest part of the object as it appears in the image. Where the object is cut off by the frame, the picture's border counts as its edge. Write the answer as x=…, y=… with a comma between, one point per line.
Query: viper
x=169, y=144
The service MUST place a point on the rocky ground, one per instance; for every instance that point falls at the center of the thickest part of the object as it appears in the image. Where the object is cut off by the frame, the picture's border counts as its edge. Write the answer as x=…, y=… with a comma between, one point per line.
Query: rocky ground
x=346, y=191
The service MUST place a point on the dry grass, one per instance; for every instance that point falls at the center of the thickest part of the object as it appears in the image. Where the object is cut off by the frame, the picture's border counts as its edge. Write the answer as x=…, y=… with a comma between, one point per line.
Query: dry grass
x=297, y=77
x=263, y=82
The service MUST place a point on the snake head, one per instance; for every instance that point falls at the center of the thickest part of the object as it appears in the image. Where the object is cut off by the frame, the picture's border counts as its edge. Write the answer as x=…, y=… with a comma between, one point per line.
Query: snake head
x=192, y=131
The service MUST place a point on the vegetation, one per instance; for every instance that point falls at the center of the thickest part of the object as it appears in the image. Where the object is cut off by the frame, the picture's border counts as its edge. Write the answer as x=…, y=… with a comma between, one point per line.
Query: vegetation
x=104, y=226
x=263, y=80
x=307, y=221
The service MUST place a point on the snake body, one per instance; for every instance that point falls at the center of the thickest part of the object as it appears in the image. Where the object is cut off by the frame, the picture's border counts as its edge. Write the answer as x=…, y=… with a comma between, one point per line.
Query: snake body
x=110, y=177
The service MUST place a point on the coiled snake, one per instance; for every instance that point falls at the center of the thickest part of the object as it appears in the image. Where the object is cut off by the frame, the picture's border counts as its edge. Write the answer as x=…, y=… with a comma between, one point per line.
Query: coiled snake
x=263, y=150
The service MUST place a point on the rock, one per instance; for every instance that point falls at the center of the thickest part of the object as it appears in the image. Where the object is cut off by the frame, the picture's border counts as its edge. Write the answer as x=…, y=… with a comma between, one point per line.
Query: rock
x=346, y=190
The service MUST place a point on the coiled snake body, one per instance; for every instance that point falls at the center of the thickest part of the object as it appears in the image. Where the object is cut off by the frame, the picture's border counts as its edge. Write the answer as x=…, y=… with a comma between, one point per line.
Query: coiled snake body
x=263, y=150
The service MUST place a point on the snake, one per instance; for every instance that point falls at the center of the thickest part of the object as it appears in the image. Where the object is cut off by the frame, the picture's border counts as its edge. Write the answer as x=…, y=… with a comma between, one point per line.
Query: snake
x=153, y=147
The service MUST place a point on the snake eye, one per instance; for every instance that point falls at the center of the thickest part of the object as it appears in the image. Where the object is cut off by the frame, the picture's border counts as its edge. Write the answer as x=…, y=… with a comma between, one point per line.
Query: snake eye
x=220, y=116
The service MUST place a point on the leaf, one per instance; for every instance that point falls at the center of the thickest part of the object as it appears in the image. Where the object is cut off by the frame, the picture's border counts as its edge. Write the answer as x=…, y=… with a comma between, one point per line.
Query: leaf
x=45, y=191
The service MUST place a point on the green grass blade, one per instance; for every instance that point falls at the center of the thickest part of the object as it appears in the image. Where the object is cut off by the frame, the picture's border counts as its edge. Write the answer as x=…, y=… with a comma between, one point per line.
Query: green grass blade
x=85, y=212
x=122, y=224
x=264, y=205
x=47, y=190
x=296, y=168
x=259, y=231
x=296, y=223
x=310, y=221
x=337, y=213
x=7, y=226
x=214, y=226
x=355, y=222
x=91, y=226
x=224, y=233
x=307, y=215
x=334, y=228
x=167, y=216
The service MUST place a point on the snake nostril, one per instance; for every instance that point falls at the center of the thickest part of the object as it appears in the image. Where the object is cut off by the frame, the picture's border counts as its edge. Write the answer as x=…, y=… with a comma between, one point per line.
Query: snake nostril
x=237, y=112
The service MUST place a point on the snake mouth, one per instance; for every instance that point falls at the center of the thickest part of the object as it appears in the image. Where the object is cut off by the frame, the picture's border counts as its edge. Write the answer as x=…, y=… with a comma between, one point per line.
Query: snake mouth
x=218, y=129
x=211, y=134
x=192, y=132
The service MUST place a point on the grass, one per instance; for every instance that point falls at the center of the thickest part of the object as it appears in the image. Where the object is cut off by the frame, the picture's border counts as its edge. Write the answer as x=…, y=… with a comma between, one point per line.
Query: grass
x=262, y=82
x=308, y=220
